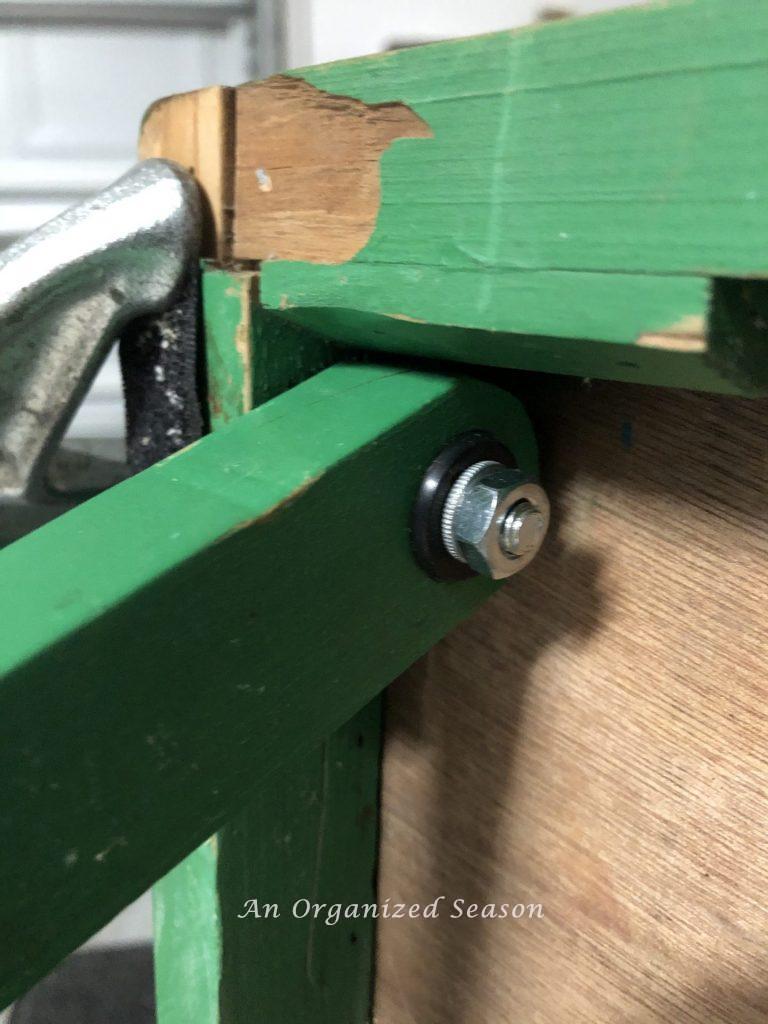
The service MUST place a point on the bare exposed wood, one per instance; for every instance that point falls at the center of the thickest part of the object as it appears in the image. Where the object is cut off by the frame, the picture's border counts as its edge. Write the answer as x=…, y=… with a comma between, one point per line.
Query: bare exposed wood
x=594, y=740
x=307, y=177
x=668, y=342
x=195, y=130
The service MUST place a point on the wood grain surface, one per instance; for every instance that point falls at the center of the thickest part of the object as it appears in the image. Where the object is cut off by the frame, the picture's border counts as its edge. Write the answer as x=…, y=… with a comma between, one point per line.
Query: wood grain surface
x=595, y=740
x=196, y=130
x=307, y=179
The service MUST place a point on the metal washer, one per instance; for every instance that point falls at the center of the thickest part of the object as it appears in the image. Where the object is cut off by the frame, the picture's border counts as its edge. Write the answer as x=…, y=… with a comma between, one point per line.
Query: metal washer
x=427, y=543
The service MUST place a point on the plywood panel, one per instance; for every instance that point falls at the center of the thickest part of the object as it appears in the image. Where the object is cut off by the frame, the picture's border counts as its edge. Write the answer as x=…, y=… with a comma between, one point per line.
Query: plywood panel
x=595, y=740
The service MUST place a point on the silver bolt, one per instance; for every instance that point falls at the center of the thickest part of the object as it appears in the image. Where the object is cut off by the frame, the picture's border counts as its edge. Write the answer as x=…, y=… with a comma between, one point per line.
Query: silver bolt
x=523, y=529
x=494, y=520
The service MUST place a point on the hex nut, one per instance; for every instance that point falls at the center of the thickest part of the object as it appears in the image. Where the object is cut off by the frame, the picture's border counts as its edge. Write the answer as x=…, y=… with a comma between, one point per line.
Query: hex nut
x=496, y=521
x=432, y=548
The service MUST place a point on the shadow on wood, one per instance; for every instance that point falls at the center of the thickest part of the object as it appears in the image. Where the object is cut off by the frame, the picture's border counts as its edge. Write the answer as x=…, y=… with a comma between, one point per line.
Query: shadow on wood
x=593, y=739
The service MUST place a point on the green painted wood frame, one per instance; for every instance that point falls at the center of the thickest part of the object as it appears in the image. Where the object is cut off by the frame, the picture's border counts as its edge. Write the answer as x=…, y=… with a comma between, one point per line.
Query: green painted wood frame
x=593, y=200
x=312, y=832
x=171, y=643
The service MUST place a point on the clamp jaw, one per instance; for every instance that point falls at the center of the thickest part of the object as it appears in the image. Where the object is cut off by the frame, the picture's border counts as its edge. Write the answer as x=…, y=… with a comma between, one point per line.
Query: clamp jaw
x=66, y=292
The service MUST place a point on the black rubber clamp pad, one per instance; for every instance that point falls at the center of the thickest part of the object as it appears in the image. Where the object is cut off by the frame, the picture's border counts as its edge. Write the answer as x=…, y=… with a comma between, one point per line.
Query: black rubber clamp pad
x=426, y=535
x=163, y=367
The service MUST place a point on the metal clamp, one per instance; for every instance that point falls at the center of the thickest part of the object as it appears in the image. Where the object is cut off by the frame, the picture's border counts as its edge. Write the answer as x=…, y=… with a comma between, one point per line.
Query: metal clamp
x=66, y=291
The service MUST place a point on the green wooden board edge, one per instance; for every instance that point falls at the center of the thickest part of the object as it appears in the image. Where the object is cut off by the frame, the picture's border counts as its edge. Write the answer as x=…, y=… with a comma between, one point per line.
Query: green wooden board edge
x=310, y=835
x=591, y=180
x=311, y=831
x=172, y=642
x=187, y=931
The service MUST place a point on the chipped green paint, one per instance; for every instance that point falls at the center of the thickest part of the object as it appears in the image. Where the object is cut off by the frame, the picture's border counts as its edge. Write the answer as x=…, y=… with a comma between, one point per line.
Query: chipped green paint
x=735, y=361
x=312, y=832
x=250, y=359
x=669, y=301
x=587, y=179
x=641, y=304
x=226, y=316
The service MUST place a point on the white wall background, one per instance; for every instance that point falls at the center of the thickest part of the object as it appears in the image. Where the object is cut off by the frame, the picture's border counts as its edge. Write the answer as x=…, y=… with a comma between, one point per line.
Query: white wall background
x=326, y=30
x=75, y=79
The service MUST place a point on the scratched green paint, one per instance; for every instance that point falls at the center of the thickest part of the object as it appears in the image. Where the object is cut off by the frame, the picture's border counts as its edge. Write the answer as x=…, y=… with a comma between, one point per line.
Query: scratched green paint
x=226, y=306
x=312, y=831
x=249, y=358
x=599, y=144
x=518, y=301
x=736, y=362
x=584, y=180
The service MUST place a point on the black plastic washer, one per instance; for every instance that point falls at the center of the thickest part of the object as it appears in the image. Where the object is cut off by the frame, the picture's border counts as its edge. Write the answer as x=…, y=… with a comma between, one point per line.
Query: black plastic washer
x=426, y=536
